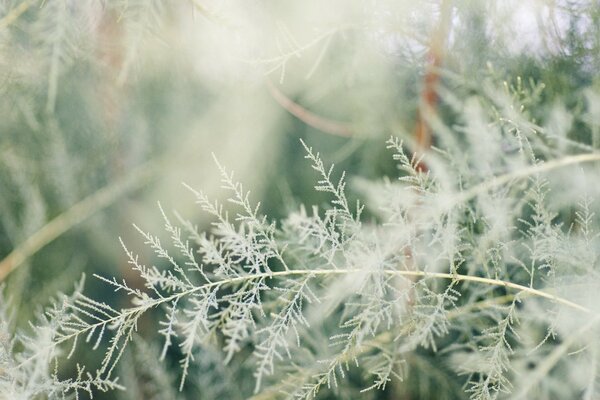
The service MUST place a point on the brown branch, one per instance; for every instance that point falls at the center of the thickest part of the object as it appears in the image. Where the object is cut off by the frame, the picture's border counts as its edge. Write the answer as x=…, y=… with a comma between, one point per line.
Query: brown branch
x=309, y=118
x=429, y=97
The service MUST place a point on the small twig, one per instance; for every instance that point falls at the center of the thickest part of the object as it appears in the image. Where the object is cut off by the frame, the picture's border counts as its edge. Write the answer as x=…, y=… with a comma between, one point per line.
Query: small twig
x=522, y=173
x=15, y=13
x=77, y=214
x=127, y=313
x=429, y=97
x=308, y=117
x=418, y=274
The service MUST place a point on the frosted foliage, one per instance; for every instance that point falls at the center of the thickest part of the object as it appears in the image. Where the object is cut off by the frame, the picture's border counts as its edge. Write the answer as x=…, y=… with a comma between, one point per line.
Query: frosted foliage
x=472, y=266
x=250, y=285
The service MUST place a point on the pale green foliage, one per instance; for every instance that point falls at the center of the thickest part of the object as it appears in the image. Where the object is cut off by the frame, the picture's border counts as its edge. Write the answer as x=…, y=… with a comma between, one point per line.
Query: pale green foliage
x=478, y=276
x=29, y=363
x=434, y=266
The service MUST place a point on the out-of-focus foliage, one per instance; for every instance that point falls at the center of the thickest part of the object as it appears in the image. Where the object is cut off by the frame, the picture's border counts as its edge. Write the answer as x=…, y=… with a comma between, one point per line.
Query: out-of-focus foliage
x=475, y=277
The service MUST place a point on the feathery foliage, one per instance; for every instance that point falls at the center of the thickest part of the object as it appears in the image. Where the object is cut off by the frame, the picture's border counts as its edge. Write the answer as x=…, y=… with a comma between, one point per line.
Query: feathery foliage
x=469, y=265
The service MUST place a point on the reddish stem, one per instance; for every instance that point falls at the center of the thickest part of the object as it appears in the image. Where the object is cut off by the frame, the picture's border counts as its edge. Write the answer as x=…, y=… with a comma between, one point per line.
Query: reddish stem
x=308, y=117
x=429, y=97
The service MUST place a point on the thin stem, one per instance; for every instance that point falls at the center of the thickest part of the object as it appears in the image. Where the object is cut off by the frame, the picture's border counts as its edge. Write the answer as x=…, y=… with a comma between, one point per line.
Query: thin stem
x=77, y=214
x=308, y=117
x=15, y=13
x=429, y=97
x=421, y=274
x=483, y=187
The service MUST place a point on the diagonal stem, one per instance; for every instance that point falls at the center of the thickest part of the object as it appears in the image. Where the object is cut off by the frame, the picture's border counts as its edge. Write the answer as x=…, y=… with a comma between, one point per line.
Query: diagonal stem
x=77, y=214
x=308, y=117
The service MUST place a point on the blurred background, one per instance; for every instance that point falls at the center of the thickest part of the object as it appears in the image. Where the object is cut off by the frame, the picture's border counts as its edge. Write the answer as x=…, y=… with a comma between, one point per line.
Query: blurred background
x=108, y=106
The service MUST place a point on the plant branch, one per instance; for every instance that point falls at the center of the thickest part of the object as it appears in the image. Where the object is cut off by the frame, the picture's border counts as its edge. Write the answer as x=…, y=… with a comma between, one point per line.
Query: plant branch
x=419, y=274
x=131, y=312
x=522, y=173
x=15, y=13
x=309, y=118
x=77, y=214
x=429, y=97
